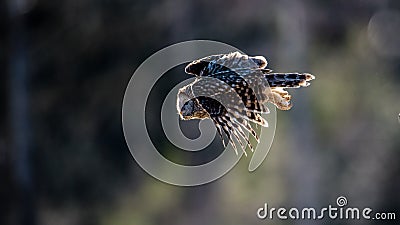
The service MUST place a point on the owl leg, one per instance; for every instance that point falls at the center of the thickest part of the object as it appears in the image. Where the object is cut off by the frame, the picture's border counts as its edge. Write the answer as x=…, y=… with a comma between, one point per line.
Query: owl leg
x=280, y=98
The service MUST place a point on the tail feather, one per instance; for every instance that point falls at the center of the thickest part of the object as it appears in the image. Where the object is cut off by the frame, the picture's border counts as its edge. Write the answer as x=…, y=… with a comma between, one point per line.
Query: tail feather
x=289, y=80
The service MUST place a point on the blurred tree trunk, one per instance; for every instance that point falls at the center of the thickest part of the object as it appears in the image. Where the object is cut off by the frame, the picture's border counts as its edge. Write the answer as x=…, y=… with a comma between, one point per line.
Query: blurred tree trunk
x=303, y=162
x=18, y=113
x=197, y=201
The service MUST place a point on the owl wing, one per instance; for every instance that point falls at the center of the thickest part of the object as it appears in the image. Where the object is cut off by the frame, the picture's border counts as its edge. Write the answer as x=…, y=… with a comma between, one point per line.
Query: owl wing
x=229, y=123
x=227, y=110
x=233, y=61
x=248, y=84
x=234, y=93
x=238, y=89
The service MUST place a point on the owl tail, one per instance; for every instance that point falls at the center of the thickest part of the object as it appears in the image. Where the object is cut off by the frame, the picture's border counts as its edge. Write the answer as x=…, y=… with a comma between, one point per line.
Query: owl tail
x=279, y=81
x=289, y=80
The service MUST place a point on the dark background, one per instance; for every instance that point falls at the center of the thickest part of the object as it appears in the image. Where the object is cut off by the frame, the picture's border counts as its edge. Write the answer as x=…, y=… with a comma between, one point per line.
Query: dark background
x=65, y=66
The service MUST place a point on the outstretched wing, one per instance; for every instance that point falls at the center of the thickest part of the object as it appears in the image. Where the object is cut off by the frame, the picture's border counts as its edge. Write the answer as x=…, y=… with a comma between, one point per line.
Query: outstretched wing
x=232, y=61
x=243, y=74
x=227, y=110
x=228, y=122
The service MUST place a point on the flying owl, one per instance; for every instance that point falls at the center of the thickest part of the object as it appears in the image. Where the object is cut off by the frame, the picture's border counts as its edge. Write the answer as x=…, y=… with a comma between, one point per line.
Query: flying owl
x=231, y=90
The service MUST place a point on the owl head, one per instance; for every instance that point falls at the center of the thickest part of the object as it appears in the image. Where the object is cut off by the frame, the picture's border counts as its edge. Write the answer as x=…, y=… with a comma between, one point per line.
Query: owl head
x=188, y=106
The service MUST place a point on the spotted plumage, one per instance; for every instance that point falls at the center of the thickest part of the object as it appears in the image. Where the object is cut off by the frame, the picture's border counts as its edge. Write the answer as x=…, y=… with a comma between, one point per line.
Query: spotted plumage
x=232, y=89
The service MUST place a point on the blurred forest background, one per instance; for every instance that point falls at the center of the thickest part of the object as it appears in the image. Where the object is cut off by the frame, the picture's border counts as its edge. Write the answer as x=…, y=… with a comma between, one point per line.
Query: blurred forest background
x=65, y=66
